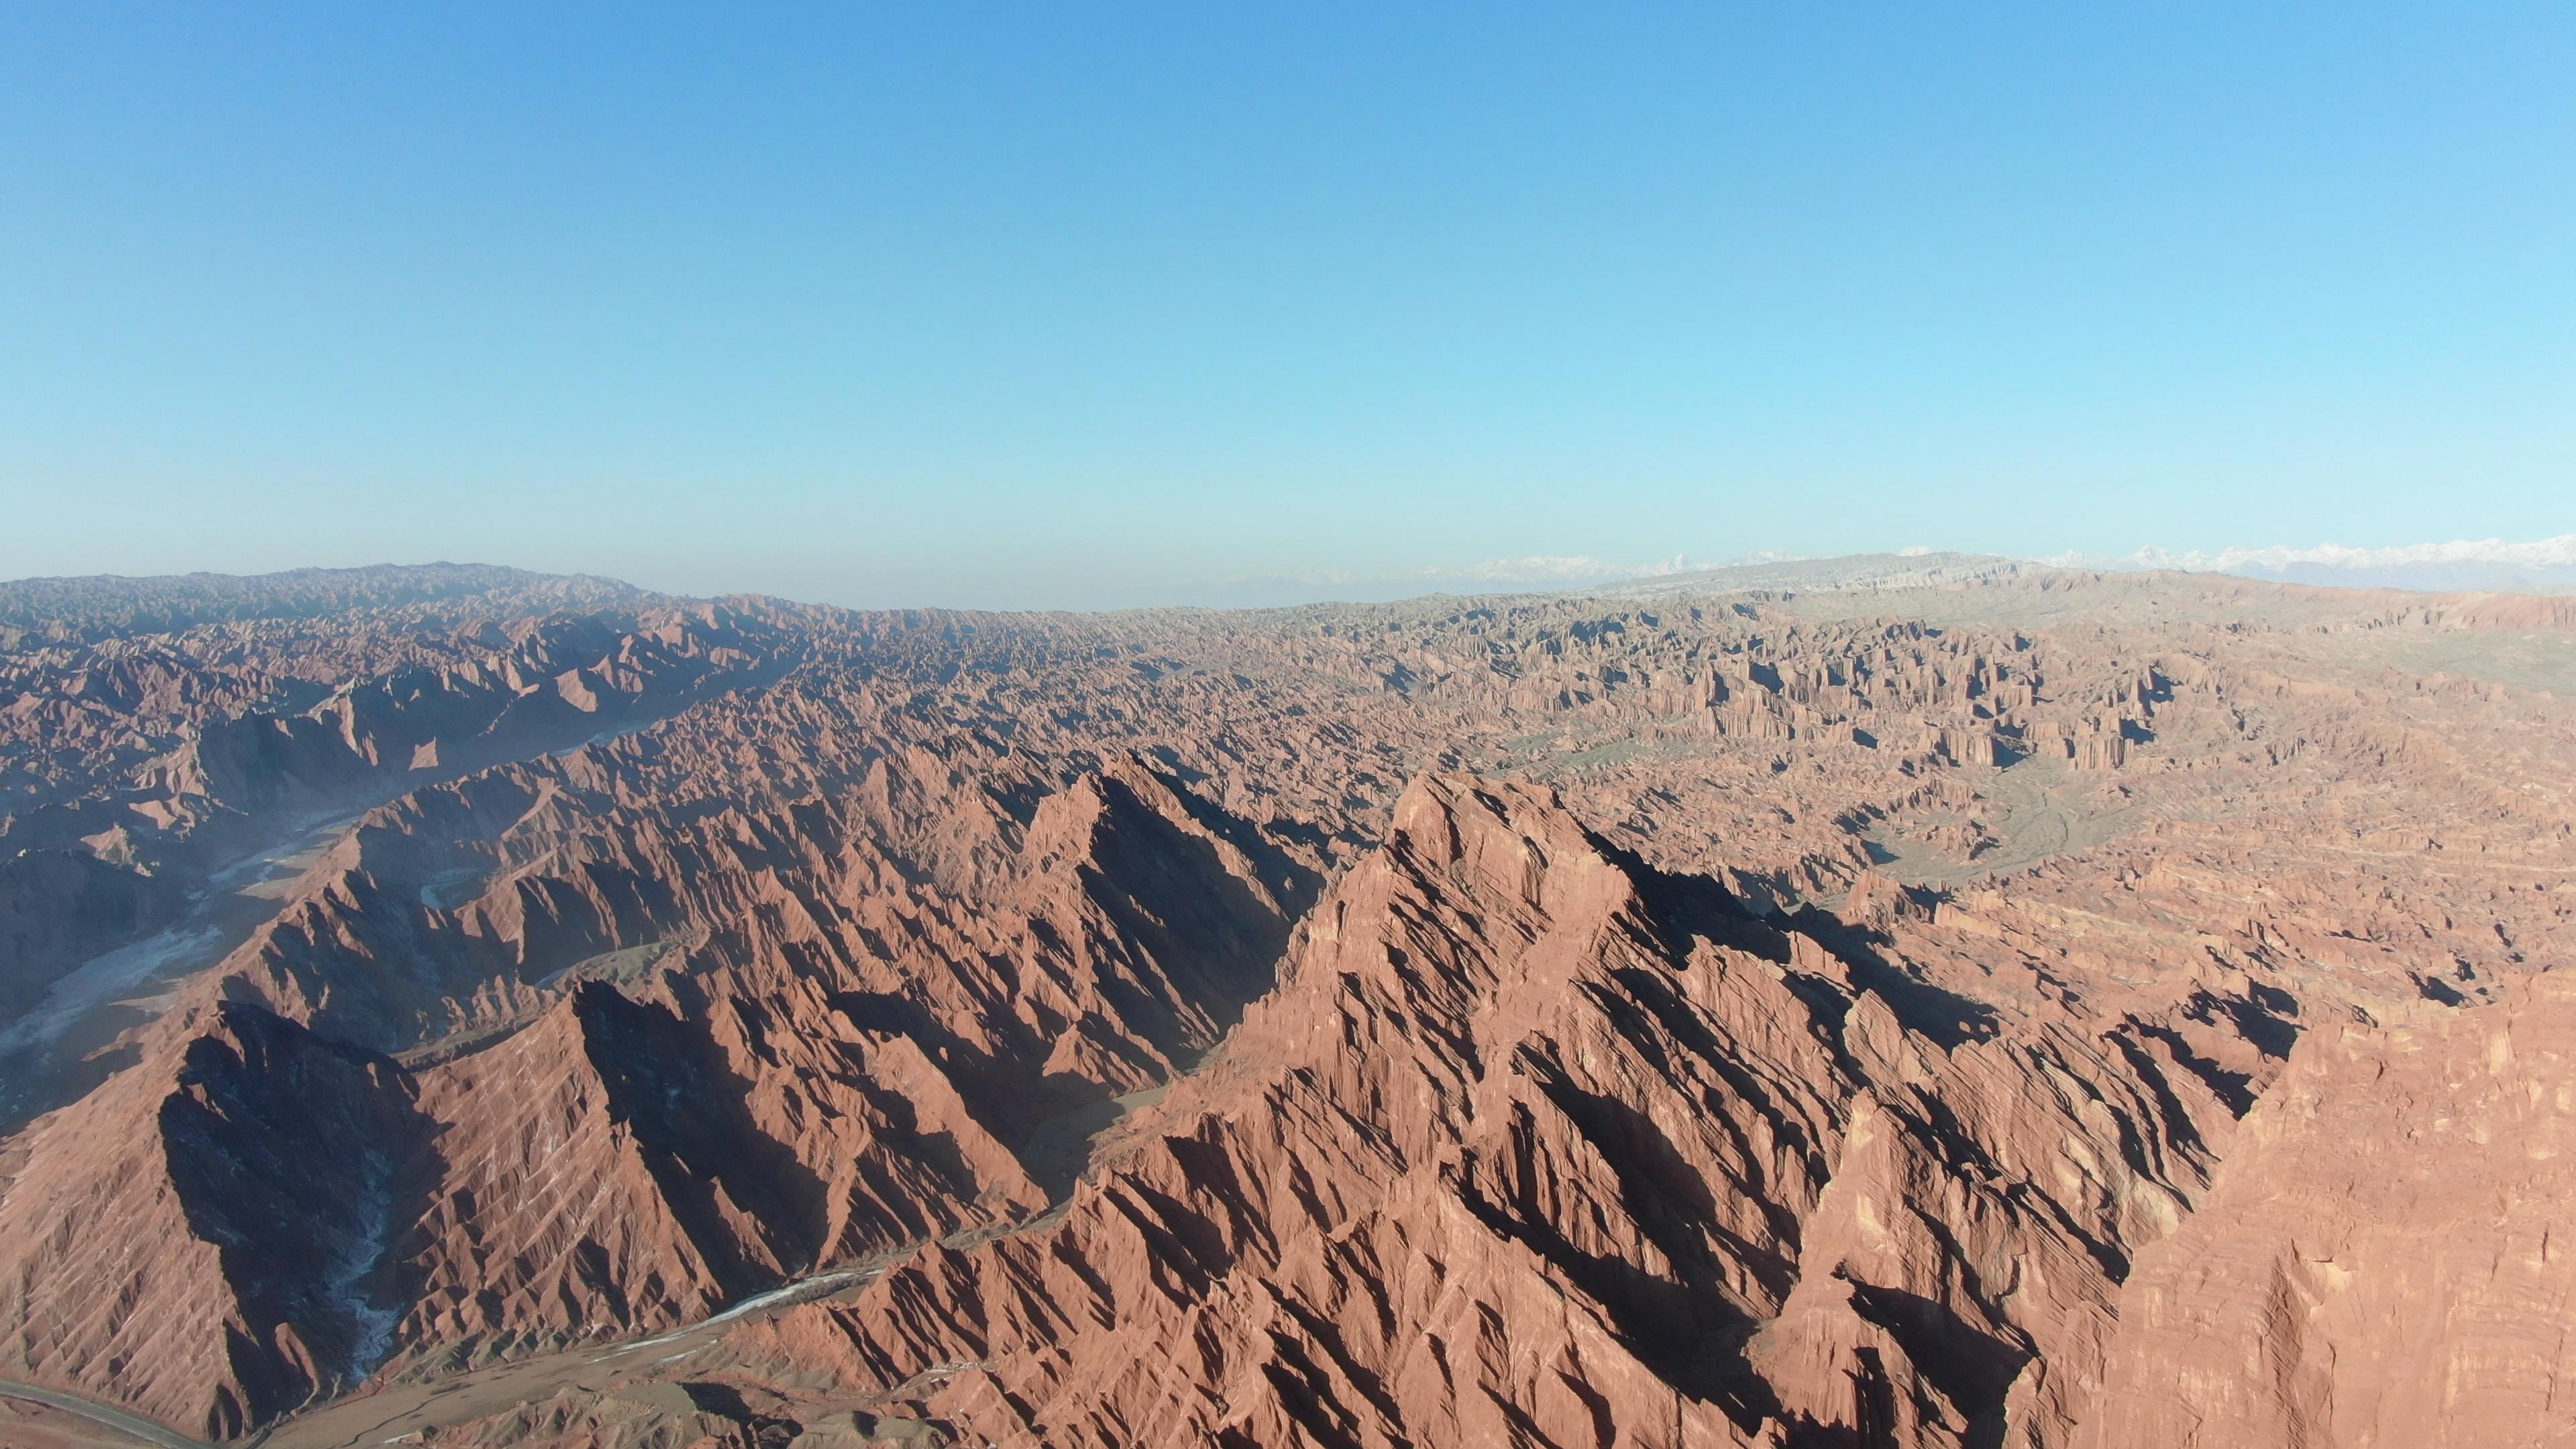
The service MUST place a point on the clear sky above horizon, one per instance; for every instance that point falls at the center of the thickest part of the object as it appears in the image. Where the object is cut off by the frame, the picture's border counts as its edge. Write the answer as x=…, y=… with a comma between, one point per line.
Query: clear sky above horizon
x=1080, y=305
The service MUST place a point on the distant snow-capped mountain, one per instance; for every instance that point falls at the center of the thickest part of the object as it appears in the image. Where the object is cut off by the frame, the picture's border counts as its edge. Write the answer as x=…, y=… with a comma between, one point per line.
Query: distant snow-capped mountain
x=2542, y=566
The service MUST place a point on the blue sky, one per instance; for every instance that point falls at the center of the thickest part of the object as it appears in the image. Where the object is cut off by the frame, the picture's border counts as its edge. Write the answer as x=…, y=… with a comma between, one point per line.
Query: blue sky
x=1085, y=305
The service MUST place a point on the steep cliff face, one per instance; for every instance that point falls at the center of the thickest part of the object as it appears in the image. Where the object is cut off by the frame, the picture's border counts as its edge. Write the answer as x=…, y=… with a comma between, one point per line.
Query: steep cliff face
x=1536, y=1144
x=203, y=1237
x=614, y=1168
x=2384, y=1260
x=1039, y=930
x=841, y=1059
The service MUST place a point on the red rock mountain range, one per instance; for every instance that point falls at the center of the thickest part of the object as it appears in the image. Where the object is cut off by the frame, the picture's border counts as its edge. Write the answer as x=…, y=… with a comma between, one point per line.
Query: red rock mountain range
x=454, y=1006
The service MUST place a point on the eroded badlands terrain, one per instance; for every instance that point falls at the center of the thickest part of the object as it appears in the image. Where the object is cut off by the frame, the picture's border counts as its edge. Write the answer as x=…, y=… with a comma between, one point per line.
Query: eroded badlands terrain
x=1960, y=1004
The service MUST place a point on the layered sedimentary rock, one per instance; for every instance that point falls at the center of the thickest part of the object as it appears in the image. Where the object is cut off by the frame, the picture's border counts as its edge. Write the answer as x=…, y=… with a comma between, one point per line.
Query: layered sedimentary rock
x=184, y=745
x=1537, y=1144
x=803, y=1075
x=196, y=1238
x=2385, y=1261
x=1888, y=1015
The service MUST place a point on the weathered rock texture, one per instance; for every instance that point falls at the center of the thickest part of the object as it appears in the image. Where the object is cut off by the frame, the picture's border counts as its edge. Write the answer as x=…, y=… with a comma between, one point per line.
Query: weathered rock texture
x=2385, y=1261
x=1537, y=1143
x=624, y=1146
x=2029, y=1009
x=194, y=1239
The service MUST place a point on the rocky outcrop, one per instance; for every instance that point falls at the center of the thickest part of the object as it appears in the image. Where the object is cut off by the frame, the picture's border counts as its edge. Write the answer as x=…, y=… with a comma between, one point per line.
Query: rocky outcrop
x=1536, y=1144
x=2383, y=1261
x=1794, y=1017
x=203, y=1237
x=184, y=747
x=842, y=1060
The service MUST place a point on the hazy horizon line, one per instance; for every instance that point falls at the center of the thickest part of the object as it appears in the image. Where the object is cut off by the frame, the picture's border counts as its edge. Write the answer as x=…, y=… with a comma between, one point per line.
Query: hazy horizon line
x=2551, y=560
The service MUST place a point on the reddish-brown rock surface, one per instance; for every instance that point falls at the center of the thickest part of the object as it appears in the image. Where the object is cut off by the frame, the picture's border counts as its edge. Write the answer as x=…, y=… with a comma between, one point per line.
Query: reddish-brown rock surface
x=2001, y=1007
x=1534, y=1141
x=2386, y=1261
